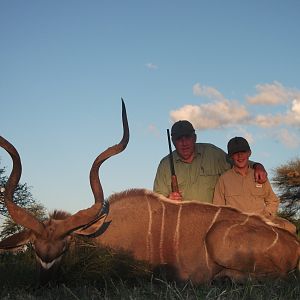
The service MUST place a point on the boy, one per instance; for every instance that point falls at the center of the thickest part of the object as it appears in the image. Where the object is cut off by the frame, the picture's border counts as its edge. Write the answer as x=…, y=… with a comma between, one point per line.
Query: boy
x=237, y=187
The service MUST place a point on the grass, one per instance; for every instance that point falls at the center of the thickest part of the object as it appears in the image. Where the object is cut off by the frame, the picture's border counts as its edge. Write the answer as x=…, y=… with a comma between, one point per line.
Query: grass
x=88, y=272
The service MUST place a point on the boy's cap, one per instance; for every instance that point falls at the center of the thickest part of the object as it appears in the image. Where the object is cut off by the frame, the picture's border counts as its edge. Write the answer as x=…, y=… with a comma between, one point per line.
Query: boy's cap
x=181, y=128
x=237, y=144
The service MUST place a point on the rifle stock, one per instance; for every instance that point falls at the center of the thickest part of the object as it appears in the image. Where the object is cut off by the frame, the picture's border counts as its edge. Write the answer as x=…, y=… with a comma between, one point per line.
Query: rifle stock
x=174, y=183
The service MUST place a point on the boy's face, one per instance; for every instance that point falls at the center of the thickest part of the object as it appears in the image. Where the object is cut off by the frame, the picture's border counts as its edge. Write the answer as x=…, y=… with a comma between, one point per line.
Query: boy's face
x=241, y=159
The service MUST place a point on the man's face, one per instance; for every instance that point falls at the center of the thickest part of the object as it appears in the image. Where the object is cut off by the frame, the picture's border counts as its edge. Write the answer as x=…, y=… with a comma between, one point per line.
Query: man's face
x=185, y=146
x=241, y=159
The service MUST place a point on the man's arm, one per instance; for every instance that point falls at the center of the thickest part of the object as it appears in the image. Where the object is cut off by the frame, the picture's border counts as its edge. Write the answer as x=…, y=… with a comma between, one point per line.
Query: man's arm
x=260, y=174
x=160, y=184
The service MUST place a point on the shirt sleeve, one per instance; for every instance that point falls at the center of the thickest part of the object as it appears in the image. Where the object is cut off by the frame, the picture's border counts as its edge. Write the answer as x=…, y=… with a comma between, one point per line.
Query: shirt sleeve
x=161, y=183
x=217, y=160
x=219, y=193
x=271, y=200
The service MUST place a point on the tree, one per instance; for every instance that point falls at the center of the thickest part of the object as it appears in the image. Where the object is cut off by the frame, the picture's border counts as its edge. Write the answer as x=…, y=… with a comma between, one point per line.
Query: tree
x=23, y=198
x=9, y=227
x=287, y=182
x=22, y=195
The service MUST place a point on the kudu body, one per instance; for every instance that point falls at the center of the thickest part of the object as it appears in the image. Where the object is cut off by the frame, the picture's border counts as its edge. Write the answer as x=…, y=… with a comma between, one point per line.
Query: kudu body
x=199, y=241
x=50, y=239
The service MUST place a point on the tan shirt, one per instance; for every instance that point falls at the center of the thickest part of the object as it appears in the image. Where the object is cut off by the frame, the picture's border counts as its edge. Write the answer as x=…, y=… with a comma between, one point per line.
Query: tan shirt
x=243, y=193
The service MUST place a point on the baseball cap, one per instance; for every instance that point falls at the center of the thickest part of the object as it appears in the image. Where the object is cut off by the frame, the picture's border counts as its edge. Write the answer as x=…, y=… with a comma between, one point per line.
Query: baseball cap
x=237, y=144
x=181, y=128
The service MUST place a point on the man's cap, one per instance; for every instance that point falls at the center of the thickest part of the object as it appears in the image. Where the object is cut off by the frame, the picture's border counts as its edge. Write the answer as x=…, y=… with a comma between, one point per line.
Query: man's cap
x=237, y=144
x=181, y=128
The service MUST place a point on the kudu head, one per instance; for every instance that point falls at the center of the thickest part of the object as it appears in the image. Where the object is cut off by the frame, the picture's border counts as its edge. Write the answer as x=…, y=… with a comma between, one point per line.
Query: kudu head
x=50, y=239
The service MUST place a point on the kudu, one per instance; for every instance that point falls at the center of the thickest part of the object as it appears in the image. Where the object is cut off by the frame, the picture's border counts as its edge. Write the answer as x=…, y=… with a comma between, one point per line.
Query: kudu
x=51, y=239
x=201, y=242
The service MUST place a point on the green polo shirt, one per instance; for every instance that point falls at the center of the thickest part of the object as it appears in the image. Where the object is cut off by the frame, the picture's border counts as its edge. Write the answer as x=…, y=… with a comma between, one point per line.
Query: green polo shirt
x=196, y=180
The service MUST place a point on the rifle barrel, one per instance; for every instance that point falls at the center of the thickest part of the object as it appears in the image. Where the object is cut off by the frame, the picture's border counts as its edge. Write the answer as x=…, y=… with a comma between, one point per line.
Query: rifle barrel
x=170, y=154
x=174, y=183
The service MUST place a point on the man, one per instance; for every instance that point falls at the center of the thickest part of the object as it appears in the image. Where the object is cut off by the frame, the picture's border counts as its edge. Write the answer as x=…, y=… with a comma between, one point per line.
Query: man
x=198, y=166
x=237, y=188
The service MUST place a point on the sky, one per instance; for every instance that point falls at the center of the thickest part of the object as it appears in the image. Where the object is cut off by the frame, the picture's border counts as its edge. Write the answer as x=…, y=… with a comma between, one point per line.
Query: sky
x=230, y=67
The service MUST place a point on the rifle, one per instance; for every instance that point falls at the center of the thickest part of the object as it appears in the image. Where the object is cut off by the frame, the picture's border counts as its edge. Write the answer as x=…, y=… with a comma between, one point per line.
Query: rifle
x=174, y=183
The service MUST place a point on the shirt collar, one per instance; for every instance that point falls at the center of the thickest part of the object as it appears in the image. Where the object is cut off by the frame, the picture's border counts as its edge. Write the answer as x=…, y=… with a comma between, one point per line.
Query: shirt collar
x=236, y=172
x=198, y=151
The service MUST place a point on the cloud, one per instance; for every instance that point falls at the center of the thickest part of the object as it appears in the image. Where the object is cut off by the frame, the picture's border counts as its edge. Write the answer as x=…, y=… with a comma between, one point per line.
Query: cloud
x=273, y=94
x=215, y=111
x=290, y=117
x=212, y=115
x=151, y=66
x=220, y=112
x=207, y=91
x=287, y=138
x=268, y=121
x=293, y=116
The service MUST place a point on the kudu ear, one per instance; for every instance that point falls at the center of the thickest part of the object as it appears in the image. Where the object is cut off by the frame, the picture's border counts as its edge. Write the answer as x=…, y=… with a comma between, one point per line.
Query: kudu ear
x=78, y=220
x=98, y=226
x=94, y=229
x=16, y=240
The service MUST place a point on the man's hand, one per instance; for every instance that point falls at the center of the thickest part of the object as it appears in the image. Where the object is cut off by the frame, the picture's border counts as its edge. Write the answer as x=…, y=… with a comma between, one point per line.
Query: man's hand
x=175, y=196
x=260, y=174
